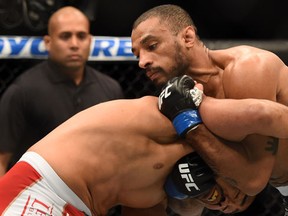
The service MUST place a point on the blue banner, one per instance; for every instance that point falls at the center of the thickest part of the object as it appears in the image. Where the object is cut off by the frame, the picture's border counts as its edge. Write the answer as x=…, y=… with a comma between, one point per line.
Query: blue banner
x=102, y=48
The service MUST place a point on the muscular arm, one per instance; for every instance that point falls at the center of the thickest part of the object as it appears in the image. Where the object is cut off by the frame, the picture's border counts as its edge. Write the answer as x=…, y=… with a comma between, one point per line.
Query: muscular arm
x=260, y=75
x=235, y=119
x=246, y=165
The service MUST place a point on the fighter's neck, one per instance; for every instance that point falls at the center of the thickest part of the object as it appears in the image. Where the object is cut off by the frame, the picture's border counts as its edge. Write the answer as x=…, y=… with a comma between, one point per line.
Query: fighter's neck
x=203, y=66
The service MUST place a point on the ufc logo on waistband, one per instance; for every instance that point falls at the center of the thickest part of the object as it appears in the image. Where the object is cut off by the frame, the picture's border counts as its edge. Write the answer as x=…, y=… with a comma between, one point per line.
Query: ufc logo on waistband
x=185, y=175
x=164, y=94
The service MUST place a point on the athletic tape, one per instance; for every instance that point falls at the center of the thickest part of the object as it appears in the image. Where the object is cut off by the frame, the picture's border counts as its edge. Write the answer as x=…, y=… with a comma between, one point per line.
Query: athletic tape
x=186, y=120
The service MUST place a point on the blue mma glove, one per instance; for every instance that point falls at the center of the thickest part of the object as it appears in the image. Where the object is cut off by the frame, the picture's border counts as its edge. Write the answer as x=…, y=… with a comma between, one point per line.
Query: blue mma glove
x=190, y=177
x=179, y=101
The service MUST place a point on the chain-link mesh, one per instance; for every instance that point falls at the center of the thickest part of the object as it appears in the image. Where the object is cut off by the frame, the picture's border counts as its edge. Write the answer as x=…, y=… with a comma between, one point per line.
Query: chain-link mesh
x=132, y=79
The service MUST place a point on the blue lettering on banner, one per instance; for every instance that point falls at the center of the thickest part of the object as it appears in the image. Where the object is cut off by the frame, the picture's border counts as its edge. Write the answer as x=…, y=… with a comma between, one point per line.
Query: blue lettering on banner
x=102, y=48
x=1, y=45
x=15, y=46
x=35, y=48
x=125, y=48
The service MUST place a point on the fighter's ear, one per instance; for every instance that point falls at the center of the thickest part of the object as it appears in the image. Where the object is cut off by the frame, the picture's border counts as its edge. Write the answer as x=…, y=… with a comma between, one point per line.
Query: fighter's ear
x=189, y=36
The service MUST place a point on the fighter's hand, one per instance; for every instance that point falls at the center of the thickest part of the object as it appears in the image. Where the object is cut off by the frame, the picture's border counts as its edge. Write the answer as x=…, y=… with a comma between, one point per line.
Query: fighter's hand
x=179, y=101
x=190, y=177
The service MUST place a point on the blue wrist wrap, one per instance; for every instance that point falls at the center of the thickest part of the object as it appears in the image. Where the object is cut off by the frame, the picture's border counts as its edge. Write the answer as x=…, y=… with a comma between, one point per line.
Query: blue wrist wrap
x=186, y=120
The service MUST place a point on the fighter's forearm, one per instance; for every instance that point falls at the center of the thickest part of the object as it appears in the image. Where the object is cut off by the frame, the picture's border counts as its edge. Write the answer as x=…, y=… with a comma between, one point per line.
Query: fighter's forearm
x=235, y=119
x=229, y=160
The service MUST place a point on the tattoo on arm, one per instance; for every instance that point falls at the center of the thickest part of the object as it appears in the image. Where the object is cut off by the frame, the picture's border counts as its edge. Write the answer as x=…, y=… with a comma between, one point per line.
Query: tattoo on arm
x=272, y=145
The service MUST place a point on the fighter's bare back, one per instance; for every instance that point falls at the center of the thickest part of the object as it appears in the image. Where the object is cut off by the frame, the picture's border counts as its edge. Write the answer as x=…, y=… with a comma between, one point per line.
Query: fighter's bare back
x=115, y=153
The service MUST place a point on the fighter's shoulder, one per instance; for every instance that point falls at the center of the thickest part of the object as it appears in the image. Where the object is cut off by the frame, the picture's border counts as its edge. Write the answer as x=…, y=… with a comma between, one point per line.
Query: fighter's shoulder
x=144, y=101
x=149, y=104
x=148, y=99
x=253, y=56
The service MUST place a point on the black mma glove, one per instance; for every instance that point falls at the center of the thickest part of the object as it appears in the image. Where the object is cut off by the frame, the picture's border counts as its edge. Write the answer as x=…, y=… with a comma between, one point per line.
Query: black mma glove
x=179, y=101
x=190, y=177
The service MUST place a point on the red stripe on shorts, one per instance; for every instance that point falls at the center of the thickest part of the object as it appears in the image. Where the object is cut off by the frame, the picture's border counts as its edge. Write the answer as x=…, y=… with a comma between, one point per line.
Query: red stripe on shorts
x=19, y=177
x=71, y=210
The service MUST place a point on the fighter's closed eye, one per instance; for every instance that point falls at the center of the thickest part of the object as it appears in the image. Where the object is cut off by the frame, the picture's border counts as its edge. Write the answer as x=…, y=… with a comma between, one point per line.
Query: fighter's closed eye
x=152, y=47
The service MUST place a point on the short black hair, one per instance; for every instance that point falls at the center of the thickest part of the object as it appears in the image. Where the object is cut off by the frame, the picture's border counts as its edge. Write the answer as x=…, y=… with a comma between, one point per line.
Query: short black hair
x=175, y=17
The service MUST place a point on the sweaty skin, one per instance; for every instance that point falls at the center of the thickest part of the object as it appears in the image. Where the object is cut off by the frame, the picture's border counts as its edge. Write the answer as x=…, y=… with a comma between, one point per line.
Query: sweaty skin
x=118, y=152
x=240, y=72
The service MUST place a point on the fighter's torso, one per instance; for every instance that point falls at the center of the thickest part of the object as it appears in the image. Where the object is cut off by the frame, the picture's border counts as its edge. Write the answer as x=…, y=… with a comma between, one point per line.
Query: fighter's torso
x=115, y=153
x=245, y=72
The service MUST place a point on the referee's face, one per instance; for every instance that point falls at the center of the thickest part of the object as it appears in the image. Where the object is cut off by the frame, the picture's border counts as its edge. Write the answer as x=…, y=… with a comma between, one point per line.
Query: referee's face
x=69, y=40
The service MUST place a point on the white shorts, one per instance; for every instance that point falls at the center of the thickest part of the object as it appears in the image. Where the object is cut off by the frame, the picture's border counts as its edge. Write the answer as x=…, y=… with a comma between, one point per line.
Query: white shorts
x=32, y=187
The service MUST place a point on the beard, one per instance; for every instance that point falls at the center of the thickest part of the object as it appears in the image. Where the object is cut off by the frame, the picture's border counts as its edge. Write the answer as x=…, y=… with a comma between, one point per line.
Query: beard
x=181, y=63
x=179, y=68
